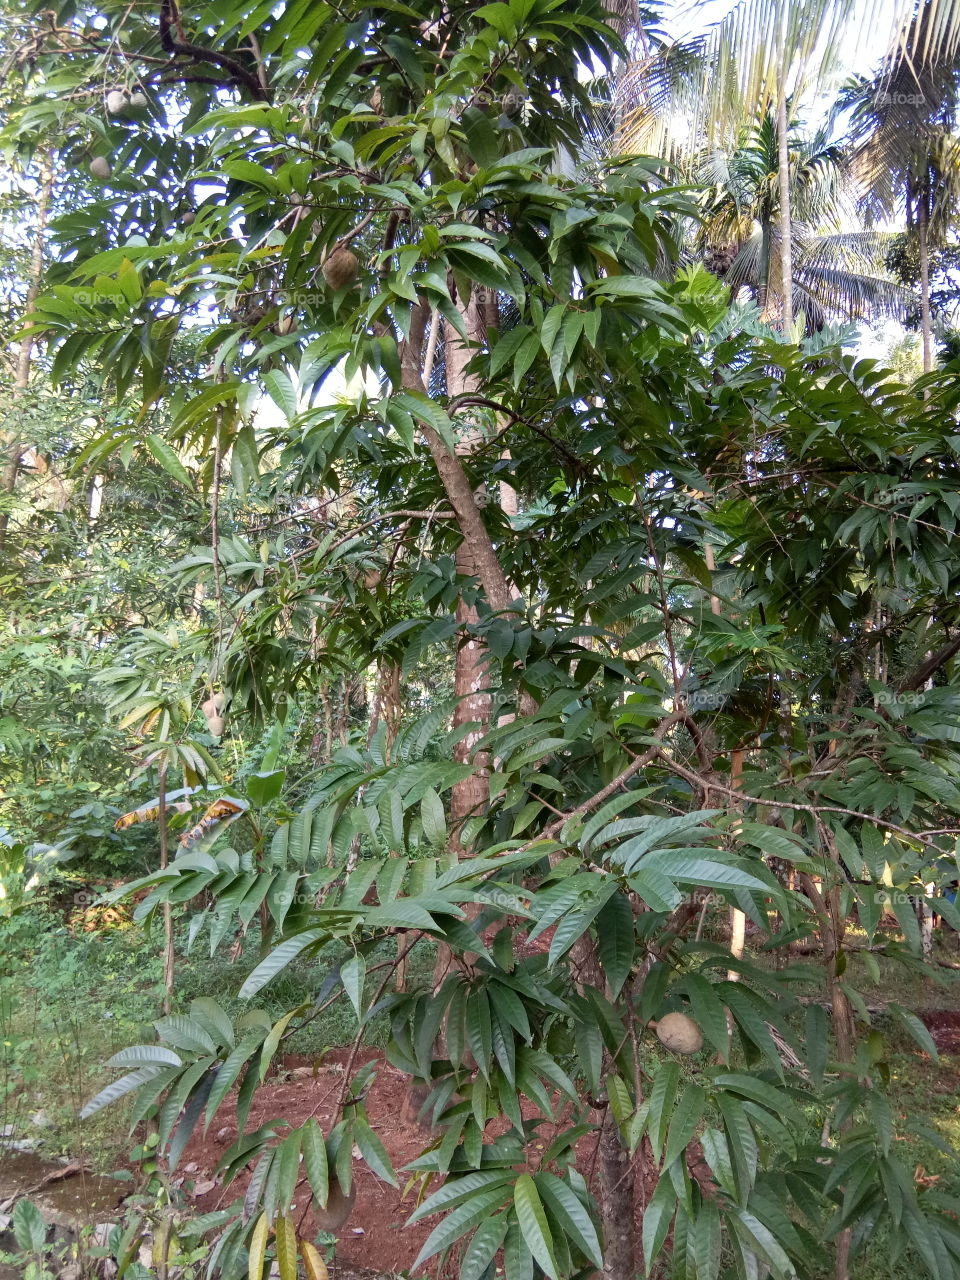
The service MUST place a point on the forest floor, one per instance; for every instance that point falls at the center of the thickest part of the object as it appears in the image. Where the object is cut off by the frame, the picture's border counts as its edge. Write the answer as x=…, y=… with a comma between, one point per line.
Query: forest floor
x=74, y=989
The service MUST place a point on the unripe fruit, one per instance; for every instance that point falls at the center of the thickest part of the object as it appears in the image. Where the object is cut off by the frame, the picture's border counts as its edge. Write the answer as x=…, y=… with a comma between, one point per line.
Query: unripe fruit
x=213, y=705
x=337, y=1209
x=215, y=725
x=138, y=101
x=100, y=167
x=512, y=101
x=116, y=101
x=678, y=1032
x=340, y=269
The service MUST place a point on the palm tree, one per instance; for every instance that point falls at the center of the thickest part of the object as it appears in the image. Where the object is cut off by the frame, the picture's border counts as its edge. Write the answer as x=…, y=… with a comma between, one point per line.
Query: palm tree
x=836, y=273
x=699, y=92
x=905, y=152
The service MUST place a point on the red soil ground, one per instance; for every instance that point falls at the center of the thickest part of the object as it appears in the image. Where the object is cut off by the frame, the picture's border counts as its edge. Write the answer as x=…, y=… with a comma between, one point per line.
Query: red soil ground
x=376, y=1236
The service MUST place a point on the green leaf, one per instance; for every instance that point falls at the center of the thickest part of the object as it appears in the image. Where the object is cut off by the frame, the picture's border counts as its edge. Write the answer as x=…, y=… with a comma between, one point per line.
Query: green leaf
x=717, y=1155
x=141, y=1054
x=29, y=1227
x=661, y=1101
x=707, y=1241
x=314, y=1149
x=169, y=460
x=571, y=1214
x=229, y=1071
x=487, y=1239
x=684, y=1123
x=656, y=1219
x=615, y=940
x=708, y=1012
x=282, y=392
x=206, y=1011
x=761, y=1239
x=533, y=1224
x=278, y=959
x=287, y=1160
x=374, y=1152
x=272, y=1042
x=456, y=1190
x=456, y=1224
x=352, y=974
x=119, y=1089
x=915, y=1028
x=432, y=817
x=185, y=1033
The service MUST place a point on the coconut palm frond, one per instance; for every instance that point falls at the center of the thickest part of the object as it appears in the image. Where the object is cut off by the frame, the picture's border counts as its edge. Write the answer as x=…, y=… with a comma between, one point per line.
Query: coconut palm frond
x=836, y=292
x=929, y=33
x=863, y=251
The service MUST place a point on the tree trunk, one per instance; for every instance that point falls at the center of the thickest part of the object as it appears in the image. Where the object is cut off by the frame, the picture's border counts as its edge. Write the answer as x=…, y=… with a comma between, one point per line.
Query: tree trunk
x=454, y=479
x=926, y=323
x=616, y=1176
x=763, y=285
x=615, y=1166
x=468, y=797
x=15, y=447
x=738, y=919
x=786, y=216
x=168, y=954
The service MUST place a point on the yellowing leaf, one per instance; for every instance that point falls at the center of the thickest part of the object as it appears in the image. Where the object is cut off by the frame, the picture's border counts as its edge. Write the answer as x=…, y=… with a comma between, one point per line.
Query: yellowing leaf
x=313, y=1263
x=258, y=1248
x=286, y=1248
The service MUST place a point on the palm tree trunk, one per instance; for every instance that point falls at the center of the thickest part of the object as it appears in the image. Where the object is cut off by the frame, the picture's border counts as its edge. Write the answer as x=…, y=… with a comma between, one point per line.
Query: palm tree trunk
x=786, y=215
x=926, y=323
x=25, y=354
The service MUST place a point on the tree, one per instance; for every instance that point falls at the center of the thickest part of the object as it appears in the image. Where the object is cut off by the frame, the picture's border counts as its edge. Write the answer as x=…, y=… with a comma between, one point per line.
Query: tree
x=904, y=149
x=836, y=273
x=765, y=58
x=412, y=159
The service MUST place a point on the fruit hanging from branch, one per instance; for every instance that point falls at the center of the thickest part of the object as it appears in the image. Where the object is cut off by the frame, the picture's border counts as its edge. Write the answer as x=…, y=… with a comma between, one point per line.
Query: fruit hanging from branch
x=341, y=269
x=213, y=710
x=678, y=1032
x=100, y=167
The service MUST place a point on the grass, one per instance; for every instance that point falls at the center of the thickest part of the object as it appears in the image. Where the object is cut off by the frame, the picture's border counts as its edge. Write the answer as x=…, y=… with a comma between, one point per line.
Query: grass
x=72, y=996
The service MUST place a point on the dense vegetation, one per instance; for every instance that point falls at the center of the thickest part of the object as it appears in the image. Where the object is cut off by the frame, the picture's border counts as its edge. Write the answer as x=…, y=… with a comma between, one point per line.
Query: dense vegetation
x=460, y=569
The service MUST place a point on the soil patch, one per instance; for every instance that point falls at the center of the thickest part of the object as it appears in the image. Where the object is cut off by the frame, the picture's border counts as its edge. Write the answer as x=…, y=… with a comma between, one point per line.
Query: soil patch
x=944, y=1027
x=376, y=1235
x=80, y=1199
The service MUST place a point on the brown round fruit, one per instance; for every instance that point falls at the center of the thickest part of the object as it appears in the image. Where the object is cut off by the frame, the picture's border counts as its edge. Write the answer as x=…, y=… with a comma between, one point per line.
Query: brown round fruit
x=337, y=1209
x=341, y=269
x=138, y=101
x=116, y=101
x=678, y=1032
x=100, y=167
x=189, y=218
